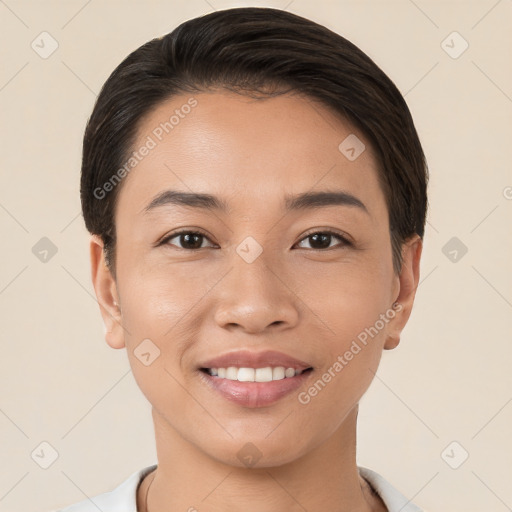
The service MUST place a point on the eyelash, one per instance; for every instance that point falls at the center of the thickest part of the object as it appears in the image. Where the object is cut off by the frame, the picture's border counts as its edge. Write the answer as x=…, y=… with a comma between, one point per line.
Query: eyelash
x=344, y=240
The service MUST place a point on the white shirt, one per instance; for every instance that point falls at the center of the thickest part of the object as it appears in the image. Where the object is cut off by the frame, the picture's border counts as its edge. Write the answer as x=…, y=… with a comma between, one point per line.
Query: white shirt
x=124, y=497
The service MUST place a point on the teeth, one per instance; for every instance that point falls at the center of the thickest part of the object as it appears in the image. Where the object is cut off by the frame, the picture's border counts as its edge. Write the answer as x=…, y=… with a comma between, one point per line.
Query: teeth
x=231, y=373
x=254, y=374
x=290, y=372
x=278, y=373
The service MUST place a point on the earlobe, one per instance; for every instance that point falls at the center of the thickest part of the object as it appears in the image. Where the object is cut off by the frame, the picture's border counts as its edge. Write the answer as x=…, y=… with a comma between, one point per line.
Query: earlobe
x=408, y=280
x=393, y=336
x=105, y=288
x=391, y=342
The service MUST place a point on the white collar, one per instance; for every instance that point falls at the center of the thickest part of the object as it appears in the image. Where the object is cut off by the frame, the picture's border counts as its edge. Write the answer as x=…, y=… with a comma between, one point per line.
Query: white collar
x=392, y=498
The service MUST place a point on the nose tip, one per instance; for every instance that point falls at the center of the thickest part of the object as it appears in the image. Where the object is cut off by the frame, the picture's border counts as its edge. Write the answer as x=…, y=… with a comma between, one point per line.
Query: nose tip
x=253, y=298
x=254, y=319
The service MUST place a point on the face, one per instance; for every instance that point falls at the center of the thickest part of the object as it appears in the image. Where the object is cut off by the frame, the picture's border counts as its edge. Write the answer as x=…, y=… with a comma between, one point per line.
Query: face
x=311, y=280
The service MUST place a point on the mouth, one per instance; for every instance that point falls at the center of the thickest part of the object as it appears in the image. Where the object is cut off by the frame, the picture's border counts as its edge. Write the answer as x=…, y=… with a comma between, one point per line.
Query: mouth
x=259, y=389
x=254, y=379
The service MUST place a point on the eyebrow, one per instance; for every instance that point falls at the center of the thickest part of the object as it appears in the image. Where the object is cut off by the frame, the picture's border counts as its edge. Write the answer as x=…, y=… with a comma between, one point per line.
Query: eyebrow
x=304, y=201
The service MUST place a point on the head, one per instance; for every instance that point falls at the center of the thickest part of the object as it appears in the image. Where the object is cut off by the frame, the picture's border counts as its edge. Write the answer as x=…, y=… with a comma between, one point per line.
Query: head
x=253, y=106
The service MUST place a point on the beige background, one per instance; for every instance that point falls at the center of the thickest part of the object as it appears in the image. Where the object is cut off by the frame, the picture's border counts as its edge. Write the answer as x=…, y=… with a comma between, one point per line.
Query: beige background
x=449, y=380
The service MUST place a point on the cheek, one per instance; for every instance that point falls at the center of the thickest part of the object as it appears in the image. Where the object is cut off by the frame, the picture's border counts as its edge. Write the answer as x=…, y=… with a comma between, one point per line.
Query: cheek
x=345, y=298
x=155, y=314
x=156, y=299
x=349, y=305
x=163, y=313
x=350, y=335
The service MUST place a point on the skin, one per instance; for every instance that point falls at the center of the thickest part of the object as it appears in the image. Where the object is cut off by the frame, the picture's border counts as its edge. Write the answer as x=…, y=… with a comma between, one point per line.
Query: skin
x=194, y=304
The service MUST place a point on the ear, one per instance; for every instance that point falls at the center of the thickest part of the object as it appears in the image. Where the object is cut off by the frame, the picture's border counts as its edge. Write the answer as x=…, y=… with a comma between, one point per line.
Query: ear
x=106, y=293
x=408, y=284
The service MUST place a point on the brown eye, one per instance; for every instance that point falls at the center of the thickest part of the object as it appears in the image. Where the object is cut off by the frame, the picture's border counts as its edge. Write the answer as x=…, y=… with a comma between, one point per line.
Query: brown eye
x=322, y=240
x=189, y=240
x=193, y=240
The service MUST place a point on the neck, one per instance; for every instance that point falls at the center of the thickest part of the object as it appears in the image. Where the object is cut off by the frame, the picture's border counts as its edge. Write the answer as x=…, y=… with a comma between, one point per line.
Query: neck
x=325, y=478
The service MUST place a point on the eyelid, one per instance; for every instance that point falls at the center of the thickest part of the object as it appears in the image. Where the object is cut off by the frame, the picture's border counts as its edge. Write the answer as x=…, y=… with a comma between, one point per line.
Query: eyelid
x=344, y=240
x=174, y=234
x=330, y=231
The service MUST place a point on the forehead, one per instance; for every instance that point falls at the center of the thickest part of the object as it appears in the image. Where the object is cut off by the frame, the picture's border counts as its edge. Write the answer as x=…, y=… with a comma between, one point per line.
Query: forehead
x=248, y=150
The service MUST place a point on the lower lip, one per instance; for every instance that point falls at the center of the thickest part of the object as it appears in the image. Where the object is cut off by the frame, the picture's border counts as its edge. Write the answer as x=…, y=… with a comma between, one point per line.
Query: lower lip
x=256, y=394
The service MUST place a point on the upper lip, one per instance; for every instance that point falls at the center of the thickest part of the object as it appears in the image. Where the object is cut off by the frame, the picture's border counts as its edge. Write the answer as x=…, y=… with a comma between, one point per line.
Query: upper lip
x=248, y=359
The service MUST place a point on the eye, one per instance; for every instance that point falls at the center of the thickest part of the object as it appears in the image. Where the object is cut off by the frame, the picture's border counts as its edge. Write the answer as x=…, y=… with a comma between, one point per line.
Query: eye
x=193, y=240
x=322, y=239
x=190, y=240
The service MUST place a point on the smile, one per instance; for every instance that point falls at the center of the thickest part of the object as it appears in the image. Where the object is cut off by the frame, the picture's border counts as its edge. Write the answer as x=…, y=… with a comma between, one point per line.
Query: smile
x=242, y=374
x=254, y=393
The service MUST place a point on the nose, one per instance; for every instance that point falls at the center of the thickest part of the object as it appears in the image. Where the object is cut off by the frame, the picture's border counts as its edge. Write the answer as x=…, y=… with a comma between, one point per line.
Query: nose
x=256, y=297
